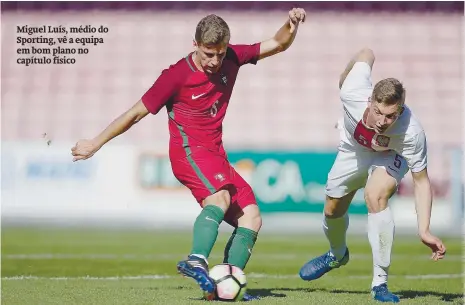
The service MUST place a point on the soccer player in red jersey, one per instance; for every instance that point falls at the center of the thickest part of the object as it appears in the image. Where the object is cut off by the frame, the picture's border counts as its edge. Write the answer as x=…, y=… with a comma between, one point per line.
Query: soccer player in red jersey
x=196, y=92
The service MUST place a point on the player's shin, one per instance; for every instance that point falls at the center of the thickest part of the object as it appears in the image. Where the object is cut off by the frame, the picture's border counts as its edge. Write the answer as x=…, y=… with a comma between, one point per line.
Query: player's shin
x=228, y=245
x=381, y=236
x=240, y=247
x=335, y=230
x=206, y=230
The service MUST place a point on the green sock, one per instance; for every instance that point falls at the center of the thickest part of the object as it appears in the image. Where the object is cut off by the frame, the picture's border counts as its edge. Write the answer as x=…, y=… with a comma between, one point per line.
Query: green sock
x=206, y=230
x=239, y=247
x=228, y=246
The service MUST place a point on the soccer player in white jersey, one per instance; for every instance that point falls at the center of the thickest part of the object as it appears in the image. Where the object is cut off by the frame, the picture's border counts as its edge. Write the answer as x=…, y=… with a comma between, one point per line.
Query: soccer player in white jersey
x=380, y=141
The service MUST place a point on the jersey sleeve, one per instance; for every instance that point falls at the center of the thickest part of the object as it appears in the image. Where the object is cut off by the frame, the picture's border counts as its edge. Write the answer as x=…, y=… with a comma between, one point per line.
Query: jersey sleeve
x=415, y=152
x=357, y=85
x=164, y=88
x=245, y=53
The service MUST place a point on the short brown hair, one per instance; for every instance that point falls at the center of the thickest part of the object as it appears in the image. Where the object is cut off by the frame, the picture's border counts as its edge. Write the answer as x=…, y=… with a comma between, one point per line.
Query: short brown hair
x=212, y=30
x=389, y=91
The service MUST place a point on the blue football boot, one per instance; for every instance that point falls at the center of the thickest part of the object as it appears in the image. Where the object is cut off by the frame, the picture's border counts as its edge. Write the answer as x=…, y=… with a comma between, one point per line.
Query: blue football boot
x=382, y=294
x=197, y=268
x=320, y=265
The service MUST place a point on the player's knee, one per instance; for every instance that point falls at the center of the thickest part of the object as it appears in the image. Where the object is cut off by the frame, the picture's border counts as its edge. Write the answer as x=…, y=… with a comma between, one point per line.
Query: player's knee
x=333, y=209
x=253, y=223
x=376, y=200
x=256, y=223
x=251, y=219
x=332, y=212
x=221, y=198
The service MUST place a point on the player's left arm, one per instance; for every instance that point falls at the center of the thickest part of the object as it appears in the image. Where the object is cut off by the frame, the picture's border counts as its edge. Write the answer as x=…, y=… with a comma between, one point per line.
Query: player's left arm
x=423, y=204
x=423, y=195
x=285, y=36
x=423, y=199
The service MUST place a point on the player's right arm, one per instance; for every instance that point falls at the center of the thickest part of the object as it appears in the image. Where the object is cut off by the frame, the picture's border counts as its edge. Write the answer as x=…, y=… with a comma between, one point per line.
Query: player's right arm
x=85, y=149
x=152, y=101
x=355, y=82
x=365, y=55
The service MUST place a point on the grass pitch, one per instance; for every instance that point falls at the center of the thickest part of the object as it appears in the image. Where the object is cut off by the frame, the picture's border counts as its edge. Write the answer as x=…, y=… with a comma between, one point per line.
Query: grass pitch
x=76, y=266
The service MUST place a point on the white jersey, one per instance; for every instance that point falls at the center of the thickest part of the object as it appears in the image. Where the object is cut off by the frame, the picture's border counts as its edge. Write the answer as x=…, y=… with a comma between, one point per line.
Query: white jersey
x=406, y=136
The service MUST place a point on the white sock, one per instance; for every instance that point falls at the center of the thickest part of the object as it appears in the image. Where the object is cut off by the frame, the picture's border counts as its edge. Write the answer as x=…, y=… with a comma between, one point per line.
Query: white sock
x=381, y=236
x=335, y=230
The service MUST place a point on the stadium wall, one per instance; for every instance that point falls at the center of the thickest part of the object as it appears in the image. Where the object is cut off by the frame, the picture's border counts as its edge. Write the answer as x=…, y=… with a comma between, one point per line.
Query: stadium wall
x=130, y=186
x=280, y=125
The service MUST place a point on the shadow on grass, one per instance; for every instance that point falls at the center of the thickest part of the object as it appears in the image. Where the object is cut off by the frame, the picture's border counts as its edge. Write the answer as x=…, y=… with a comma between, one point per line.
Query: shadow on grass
x=322, y=290
x=277, y=292
x=446, y=297
x=403, y=294
x=266, y=292
x=255, y=292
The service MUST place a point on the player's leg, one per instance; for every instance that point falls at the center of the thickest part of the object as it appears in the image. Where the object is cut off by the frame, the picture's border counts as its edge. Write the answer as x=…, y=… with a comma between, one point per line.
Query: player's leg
x=240, y=245
x=244, y=216
x=243, y=241
x=335, y=224
x=344, y=179
x=205, y=233
x=385, y=175
x=199, y=172
x=206, y=224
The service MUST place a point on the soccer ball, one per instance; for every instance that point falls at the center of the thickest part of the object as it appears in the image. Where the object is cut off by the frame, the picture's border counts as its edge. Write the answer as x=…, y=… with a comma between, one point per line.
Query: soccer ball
x=230, y=282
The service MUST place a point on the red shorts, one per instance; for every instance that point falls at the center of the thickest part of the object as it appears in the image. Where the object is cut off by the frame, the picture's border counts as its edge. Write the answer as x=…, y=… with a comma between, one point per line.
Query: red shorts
x=205, y=172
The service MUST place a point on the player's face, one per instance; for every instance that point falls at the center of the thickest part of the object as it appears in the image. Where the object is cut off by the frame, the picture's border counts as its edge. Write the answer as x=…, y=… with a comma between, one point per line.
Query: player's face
x=382, y=116
x=211, y=57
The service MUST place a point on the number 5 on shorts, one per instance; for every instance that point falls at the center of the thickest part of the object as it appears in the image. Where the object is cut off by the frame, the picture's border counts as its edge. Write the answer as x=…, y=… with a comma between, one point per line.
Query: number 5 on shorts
x=398, y=161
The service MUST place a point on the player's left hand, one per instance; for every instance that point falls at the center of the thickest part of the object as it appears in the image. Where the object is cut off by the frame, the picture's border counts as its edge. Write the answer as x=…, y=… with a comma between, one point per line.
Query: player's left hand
x=435, y=244
x=296, y=15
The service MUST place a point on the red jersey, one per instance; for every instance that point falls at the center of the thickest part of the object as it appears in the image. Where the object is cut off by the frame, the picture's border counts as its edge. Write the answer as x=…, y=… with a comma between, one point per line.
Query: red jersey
x=196, y=102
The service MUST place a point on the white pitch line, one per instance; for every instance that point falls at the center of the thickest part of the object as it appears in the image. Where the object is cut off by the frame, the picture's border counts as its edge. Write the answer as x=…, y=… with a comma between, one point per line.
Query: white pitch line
x=250, y=276
x=277, y=256
x=89, y=278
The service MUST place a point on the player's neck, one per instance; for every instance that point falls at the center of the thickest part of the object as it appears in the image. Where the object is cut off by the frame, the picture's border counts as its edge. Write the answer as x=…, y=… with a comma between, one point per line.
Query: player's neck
x=196, y=61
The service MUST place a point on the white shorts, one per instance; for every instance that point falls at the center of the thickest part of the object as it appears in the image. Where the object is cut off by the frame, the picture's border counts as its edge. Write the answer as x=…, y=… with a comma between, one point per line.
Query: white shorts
x=351, y=170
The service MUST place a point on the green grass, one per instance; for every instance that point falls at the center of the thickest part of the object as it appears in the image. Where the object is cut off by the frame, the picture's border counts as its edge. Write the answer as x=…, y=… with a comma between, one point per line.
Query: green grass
x=59, y=260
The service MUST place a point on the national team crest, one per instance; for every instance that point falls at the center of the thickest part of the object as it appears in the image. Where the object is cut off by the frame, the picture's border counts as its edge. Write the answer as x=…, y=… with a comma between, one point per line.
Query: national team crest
x=224, y=79
x=382, y=141
x=220, y=177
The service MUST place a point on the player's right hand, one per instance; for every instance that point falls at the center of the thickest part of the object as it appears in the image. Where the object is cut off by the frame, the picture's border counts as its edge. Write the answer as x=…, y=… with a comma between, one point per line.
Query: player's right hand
x=84, y=149
x=435, y=244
